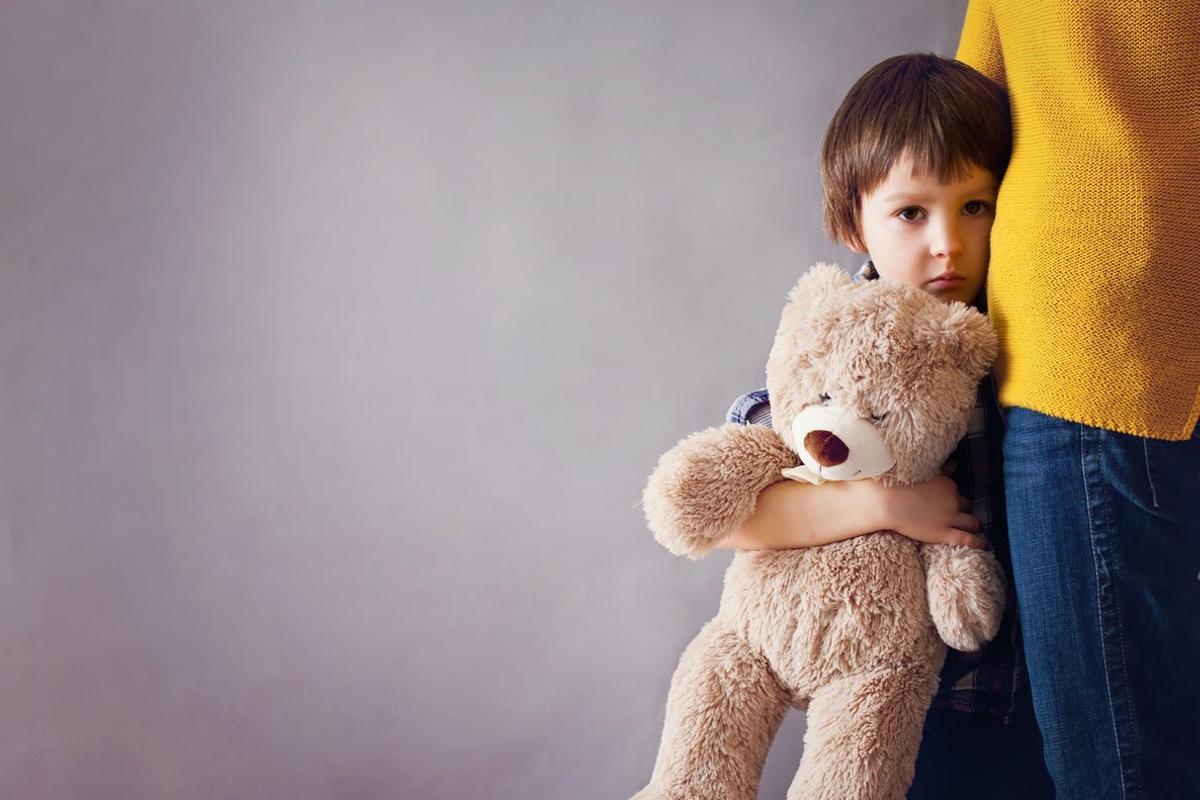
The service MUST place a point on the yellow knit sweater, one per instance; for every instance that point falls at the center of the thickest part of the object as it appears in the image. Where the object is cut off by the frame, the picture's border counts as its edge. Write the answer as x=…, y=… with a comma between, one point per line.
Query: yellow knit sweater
x=1094, y=284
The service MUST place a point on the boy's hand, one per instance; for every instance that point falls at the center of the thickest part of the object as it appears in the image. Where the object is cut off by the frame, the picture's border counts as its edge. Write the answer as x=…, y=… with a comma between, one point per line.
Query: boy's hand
x=932, y=512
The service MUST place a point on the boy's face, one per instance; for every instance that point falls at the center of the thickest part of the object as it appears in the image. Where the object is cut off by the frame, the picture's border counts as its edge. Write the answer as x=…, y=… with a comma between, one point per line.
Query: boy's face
x=930, y=234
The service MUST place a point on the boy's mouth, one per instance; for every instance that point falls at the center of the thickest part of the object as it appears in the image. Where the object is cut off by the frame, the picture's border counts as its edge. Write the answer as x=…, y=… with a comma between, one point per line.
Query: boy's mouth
x=947, y=280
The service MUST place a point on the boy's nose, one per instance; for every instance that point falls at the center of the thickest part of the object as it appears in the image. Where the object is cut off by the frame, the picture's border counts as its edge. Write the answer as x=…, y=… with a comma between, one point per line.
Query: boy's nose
x=826, y=448
x=948, y=243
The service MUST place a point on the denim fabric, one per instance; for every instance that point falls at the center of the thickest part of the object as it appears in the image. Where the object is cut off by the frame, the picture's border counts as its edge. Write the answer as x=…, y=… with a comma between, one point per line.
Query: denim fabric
x=1105, y=538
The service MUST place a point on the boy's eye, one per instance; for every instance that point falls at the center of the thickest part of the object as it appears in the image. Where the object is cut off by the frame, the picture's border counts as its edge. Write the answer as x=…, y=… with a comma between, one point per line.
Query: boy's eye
x=911, y=214
x=975, y=208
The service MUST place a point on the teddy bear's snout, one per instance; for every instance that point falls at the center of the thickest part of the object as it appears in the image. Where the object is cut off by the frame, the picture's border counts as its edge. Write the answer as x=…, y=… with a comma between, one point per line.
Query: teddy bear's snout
x=837, y=444
x=826, y=448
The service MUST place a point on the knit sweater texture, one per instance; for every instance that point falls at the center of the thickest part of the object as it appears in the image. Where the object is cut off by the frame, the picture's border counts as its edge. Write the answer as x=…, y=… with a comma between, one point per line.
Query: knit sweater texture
x=1091, y=286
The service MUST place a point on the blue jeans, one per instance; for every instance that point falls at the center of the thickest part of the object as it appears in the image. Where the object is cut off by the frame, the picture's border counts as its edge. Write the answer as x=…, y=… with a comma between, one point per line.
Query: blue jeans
x=1105, y=535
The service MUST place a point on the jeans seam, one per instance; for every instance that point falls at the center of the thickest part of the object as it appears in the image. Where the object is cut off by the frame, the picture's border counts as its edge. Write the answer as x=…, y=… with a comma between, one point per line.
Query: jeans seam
x=1149, y=475
x=1127, y=766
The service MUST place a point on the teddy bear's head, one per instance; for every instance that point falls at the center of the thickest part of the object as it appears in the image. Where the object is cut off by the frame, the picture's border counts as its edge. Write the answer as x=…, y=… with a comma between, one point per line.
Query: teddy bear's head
x=875, y=379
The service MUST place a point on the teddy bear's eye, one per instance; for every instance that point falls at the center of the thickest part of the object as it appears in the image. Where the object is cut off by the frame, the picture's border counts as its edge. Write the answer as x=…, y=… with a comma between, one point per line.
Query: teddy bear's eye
x=824, y=398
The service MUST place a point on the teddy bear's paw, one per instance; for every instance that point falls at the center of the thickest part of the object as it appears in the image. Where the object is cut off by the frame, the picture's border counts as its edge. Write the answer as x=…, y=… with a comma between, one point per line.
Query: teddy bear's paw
x=966, y=632
x=708, y=484
x=966, y=595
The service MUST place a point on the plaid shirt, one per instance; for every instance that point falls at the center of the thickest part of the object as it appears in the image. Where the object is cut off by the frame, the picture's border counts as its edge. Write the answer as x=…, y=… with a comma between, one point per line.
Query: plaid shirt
x=989, y=679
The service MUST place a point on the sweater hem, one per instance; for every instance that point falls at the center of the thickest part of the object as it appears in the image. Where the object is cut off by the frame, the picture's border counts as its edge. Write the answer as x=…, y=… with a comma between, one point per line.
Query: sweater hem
x=1148, y=431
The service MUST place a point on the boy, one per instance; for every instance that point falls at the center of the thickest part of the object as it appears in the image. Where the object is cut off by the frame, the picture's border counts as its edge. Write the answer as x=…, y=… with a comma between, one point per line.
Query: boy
x=910, y=168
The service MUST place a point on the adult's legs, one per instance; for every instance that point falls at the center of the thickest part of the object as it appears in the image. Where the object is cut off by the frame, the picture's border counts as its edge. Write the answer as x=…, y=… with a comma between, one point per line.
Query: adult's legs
x=1105, y=537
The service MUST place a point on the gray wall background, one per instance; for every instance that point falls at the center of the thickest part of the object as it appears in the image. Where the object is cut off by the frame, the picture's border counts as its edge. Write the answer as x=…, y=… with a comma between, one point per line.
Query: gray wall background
x=336, y=342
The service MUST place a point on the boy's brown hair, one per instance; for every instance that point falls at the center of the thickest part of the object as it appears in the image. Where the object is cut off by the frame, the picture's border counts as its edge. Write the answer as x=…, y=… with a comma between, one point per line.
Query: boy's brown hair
x=943, y=113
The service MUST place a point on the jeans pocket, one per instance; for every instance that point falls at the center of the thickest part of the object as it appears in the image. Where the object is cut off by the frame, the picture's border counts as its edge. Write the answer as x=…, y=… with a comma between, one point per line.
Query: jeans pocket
x=1173, y=474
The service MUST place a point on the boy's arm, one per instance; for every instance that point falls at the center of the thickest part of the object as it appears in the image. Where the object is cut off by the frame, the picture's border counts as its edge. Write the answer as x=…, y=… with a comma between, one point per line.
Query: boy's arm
x=790, y=514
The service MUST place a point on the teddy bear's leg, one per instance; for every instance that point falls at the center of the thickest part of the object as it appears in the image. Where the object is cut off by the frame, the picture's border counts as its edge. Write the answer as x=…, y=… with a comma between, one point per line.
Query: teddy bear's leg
x=723, y=710
x=863, y=734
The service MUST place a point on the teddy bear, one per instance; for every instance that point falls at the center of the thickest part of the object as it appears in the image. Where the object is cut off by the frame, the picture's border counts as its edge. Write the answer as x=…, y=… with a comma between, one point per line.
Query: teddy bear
x=867, y=381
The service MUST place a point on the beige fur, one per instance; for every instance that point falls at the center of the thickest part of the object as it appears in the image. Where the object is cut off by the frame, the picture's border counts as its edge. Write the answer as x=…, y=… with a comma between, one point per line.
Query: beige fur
x=854, y=632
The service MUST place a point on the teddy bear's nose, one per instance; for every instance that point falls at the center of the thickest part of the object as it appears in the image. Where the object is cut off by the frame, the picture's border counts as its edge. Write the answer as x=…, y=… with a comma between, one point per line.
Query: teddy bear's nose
x=827, y=449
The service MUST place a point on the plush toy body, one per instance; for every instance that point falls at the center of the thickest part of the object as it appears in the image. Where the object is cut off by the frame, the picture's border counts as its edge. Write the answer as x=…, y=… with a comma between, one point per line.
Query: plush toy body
x=866, y=381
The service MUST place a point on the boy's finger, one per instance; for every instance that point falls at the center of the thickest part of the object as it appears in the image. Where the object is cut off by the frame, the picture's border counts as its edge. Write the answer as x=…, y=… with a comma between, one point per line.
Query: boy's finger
x=977, y=542
x=966, y=522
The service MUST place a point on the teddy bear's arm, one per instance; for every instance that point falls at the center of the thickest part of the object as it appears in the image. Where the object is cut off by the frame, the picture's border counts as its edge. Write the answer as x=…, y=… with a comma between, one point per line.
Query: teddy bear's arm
x=965, y=587
x=708, y=484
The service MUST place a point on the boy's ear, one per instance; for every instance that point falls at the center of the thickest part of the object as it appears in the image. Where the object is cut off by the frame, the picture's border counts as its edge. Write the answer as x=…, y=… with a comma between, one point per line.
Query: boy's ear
x=852, y=236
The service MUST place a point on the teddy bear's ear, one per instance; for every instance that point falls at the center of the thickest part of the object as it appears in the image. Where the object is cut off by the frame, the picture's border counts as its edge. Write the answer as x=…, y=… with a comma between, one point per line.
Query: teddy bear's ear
x=822, y=277
x=966, y=339
x=816, y=285
x=807, y=318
